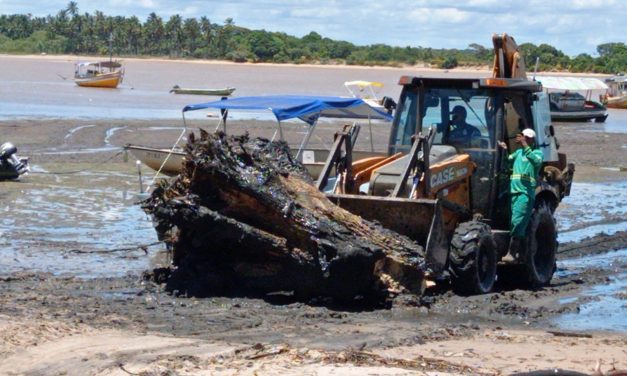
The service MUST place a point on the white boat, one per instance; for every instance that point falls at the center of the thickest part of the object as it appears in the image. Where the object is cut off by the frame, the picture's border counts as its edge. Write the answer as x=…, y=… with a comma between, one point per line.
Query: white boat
x=169, y=161
x=567, y=101
x=166, y=161
x=368, y=91
x=616, y=97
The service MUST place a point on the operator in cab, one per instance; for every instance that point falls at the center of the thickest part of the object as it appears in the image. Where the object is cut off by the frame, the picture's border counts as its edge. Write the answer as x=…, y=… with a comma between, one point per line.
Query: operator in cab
x=526, y=163
x=461, y=133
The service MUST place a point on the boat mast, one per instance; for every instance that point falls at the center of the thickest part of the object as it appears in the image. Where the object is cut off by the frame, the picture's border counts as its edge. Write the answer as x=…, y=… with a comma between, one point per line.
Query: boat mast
x=110, y=47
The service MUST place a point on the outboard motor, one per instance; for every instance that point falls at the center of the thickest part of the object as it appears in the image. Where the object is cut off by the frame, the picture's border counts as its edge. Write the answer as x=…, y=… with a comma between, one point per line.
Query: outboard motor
x=11, y=167
x=389, y=104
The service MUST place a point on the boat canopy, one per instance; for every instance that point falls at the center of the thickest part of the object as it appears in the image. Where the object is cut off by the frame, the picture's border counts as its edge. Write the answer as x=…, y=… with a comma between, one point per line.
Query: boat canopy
x=103, y=64
x=617, y=78
x=306, y=108
x=571, y=83
x=363, y=84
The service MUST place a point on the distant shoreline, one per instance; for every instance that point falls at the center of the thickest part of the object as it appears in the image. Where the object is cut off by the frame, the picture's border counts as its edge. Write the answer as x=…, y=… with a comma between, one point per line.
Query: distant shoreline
x=74, y=58
x=418, y=67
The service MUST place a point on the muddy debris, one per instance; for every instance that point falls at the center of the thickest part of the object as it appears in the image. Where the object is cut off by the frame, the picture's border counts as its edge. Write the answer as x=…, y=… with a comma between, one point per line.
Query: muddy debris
x=244, y=218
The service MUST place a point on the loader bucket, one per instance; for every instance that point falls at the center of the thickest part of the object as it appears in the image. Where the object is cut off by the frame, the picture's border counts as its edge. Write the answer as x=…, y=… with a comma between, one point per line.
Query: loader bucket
x=420, y=220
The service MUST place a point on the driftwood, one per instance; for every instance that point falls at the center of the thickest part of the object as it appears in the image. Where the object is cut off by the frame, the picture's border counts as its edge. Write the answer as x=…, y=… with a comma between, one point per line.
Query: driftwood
x=244, y=217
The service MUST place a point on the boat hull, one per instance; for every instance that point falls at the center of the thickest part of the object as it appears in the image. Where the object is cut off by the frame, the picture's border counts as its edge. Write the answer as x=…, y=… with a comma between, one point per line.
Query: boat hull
x=216, y=92
x=155, y=157
x=585, y=111
x=108, y=80
x=617, y=102
x=312, y=159
x=599, y=115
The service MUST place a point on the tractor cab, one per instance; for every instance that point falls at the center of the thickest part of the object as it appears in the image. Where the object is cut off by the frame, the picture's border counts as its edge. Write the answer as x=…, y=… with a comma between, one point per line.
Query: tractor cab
x=467, y=117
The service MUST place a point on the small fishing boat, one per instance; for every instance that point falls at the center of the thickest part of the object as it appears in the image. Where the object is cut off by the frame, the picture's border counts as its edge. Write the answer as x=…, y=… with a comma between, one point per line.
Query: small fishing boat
x=104, y=74
x=309, y=109
x=566, y=101
x=223, y=92
x=616, y=97
x=368, y=92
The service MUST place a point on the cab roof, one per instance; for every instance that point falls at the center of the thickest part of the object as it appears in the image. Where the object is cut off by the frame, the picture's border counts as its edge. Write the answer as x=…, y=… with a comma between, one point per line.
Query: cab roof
x=472, y=83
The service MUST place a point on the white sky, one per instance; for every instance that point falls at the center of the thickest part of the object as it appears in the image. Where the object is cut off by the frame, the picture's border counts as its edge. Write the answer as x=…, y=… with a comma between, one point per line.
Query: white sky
x=573, y=26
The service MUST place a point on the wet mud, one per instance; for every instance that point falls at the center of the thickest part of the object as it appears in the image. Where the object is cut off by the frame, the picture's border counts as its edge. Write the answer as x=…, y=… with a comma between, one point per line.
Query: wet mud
x=58, y=231
x=131, y=302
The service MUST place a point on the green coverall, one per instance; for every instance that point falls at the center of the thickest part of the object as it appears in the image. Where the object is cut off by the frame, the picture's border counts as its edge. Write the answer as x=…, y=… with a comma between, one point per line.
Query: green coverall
x=526, y=165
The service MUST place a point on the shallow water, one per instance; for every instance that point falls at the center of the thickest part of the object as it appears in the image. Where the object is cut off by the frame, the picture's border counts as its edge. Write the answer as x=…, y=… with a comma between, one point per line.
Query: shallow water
x=48, y=217
x=43, y=88
x=603, y=306
x=33, y=88
x=592, y=209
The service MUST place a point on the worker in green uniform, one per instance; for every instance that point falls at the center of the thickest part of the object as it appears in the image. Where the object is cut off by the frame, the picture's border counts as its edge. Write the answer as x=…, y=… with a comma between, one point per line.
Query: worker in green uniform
x=526, y=163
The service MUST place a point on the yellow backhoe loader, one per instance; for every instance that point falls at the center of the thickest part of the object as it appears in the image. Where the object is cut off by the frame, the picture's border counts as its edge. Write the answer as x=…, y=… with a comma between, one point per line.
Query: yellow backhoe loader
x=448, y=190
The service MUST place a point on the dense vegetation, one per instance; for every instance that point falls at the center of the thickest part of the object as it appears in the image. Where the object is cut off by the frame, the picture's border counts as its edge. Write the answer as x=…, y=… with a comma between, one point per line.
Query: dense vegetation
x=69, y=32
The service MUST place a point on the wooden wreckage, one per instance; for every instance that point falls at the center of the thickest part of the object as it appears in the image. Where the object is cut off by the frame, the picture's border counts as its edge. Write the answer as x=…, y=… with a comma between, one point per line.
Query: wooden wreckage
x=244, y=217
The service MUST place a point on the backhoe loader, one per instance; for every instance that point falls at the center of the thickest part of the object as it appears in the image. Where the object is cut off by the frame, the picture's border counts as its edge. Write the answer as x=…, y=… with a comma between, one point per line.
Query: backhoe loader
x=451, y=194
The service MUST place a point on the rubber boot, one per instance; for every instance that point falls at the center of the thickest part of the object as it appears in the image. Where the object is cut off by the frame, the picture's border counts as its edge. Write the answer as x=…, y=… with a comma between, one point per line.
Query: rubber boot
x=512, y=252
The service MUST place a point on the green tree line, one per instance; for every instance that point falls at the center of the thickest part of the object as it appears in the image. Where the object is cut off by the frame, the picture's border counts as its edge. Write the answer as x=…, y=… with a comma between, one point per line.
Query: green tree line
x=70, y=32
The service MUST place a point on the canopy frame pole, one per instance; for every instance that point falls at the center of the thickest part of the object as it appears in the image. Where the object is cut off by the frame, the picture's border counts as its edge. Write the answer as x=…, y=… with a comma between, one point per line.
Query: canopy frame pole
x=224, y=114
x=280, y=131
x=371, y=139
x=305, y=141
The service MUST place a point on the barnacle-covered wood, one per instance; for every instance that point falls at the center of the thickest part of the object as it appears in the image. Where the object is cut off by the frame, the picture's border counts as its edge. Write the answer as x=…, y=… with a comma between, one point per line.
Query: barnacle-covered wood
x=244, y=217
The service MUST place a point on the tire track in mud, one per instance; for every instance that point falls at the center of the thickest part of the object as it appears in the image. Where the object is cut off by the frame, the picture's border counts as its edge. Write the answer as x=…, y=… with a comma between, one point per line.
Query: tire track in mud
x=600, y=243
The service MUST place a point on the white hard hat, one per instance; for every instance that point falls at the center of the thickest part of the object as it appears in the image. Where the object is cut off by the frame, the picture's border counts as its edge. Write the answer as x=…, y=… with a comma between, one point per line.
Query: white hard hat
x=529, y=133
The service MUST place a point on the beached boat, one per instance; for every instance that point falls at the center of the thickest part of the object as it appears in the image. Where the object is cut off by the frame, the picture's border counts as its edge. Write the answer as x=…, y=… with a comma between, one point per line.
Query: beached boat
x=223, y=92
x=309, y=109
x=616, y=97
x=567, y=102
x=368, y=92
x=104, y=74
x=574, y=107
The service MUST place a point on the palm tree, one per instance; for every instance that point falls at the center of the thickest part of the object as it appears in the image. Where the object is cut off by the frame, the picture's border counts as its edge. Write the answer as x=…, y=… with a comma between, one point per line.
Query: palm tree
x=174, y=31
x=72, y=8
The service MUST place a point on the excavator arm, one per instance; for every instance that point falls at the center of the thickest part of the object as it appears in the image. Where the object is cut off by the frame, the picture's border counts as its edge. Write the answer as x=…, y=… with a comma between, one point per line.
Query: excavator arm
x=508, y=62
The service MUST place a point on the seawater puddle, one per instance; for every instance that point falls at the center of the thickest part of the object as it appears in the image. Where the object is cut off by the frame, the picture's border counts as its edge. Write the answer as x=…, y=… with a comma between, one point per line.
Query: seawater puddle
x=592, y=208
x=72, y=131
x=68, y=224
x=609, y=260
x=587, y=232
x=604, y=306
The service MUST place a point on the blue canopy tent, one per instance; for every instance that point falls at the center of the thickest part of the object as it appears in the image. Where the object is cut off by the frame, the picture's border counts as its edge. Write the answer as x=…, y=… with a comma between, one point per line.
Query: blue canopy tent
x=306, y=108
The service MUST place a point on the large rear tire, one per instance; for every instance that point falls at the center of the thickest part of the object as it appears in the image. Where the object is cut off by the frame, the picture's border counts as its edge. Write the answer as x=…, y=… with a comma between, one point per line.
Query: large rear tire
x=472, y=258
x=541, y=246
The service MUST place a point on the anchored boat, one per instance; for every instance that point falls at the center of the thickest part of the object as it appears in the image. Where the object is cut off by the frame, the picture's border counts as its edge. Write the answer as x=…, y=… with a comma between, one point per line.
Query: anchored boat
x=104, y=74
x=617, y=93
x=566, y=101
x=368, y=92
x=223, y=92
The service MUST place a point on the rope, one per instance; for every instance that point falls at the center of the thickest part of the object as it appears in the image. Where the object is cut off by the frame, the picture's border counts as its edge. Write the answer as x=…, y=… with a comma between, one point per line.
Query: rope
x=154, y=178
x=76, y=171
